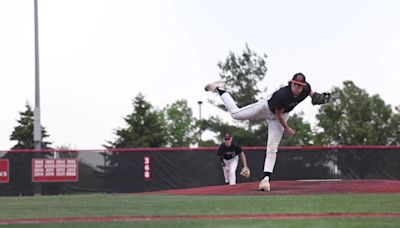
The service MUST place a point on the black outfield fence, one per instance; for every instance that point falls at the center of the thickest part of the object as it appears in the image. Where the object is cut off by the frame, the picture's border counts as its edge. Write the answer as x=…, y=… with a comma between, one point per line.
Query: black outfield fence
x=151, y=169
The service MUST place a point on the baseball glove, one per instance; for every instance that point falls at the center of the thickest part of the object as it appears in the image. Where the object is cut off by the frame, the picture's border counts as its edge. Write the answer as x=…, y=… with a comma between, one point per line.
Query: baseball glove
x=245, y=172
x=320, y=98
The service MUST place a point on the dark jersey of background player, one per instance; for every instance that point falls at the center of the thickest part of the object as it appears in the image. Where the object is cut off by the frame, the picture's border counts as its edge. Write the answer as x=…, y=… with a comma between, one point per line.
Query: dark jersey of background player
x=284, y=98
x=228, y=152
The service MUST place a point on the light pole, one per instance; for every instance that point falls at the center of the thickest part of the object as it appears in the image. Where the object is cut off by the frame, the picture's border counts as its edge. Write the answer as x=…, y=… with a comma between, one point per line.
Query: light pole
x=200, y=124
x=37, y=134
x=37, y=131
x=199, y=102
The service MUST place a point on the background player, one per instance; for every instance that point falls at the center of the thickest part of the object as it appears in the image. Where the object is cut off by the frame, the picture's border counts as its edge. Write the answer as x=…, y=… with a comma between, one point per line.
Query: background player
x=229, y=154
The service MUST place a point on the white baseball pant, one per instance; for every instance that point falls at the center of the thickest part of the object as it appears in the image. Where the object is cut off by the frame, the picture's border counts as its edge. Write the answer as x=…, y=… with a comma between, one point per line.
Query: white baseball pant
x=230, y=169
x=257, y=111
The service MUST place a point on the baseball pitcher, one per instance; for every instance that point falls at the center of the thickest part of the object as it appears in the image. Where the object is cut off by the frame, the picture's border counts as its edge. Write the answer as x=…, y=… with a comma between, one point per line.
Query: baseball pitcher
x=275, y=111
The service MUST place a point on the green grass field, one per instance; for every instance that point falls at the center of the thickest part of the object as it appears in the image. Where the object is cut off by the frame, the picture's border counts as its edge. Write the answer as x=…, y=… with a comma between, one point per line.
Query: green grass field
x=169, y=205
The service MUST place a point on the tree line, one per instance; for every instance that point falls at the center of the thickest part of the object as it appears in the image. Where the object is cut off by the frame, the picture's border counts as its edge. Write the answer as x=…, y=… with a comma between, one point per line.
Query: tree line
x=354, y=117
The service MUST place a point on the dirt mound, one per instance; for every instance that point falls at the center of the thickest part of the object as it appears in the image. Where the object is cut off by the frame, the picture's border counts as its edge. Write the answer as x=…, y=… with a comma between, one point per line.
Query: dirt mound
x=300, y=187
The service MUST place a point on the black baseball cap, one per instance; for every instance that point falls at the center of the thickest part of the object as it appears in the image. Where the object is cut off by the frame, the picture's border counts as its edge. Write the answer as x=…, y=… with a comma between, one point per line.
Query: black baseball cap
x=299, y=78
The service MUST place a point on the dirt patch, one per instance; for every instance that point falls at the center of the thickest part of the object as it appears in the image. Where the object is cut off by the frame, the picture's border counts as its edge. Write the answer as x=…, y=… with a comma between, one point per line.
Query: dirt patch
x=306, y=187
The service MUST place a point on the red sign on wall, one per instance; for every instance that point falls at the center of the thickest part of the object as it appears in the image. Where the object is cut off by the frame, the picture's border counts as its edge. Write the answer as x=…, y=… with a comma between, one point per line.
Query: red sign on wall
x=54, y=170
x=4, y=171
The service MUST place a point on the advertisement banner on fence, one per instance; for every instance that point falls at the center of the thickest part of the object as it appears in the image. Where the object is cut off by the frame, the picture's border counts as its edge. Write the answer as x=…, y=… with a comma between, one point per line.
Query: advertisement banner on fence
x=55, y=170
x=4, y=171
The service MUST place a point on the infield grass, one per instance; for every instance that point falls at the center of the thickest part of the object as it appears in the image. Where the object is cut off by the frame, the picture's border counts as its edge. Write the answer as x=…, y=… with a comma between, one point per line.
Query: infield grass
x=173, y=205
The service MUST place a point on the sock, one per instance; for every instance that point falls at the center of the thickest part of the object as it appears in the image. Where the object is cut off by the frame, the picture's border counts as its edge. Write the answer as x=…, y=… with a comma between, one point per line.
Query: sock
x=267, y=175
x=221, y=91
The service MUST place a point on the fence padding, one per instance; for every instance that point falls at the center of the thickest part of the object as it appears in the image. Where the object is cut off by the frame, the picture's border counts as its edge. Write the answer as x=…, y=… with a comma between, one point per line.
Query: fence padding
x=124, y=170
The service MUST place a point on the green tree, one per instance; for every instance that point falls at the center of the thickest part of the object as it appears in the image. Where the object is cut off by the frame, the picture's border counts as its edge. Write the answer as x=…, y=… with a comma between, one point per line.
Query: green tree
x=258, y=136
x=394, y=124
x=242, y=74
x=180, y=125
x=304, y=135
x=242, y=136
x=145, y=127
x=70, y=154
x=20, y=163
x=23, y=133
x=356, y=118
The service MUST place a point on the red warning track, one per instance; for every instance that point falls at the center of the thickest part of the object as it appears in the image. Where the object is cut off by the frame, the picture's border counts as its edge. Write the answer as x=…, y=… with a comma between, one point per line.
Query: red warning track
x=306, y=187
x=195, y=217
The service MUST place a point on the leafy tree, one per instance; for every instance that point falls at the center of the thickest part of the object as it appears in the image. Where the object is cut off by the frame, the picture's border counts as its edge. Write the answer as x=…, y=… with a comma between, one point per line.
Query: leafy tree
x=304, y=135
x=258, y=136
x=146, y=127
x=356, y=118
x=242, y=136
x=23, y=133
x=70, y=154
x=207, y=143
x=394, y=124
x=180, y=127
x=242, y=74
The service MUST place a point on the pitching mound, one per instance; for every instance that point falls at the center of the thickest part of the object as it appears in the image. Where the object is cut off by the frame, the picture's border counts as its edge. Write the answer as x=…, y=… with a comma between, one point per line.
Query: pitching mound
x=301, y=187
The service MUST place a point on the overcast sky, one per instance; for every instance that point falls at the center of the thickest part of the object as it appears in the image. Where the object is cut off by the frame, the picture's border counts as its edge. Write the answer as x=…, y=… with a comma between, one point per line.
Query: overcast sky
x=97, y=55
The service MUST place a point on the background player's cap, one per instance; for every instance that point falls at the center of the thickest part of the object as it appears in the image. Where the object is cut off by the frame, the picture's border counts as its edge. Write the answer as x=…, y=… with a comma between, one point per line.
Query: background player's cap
x=227, y=136
x=299, y=78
